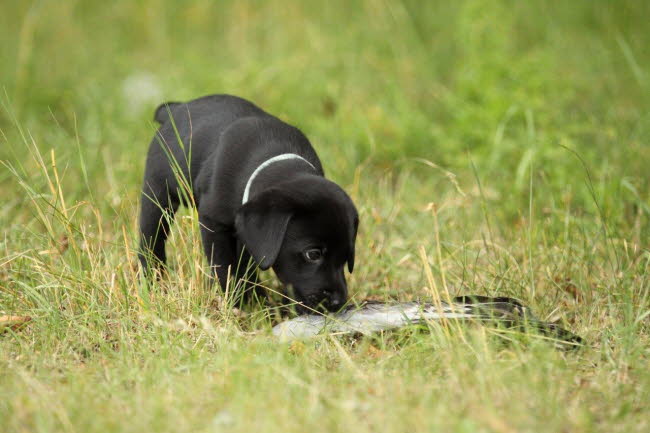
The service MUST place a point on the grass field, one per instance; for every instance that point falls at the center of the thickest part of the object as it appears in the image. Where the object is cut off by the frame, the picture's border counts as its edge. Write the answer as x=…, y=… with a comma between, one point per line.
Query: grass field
x=492, y=147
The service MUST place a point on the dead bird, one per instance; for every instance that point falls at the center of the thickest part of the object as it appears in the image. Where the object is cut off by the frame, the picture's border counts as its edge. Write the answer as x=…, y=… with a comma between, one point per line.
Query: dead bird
x=373, y=316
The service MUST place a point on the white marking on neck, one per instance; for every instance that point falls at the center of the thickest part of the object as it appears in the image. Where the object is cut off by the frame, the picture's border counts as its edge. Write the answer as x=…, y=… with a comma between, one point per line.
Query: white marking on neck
x=265, y=164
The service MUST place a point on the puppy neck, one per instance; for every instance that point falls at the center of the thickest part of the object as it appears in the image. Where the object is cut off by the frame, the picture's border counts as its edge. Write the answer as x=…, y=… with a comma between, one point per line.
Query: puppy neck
x=262, y=166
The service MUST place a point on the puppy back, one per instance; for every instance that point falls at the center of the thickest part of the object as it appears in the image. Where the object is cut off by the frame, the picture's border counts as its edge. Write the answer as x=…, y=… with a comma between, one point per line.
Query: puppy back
x=161, y=114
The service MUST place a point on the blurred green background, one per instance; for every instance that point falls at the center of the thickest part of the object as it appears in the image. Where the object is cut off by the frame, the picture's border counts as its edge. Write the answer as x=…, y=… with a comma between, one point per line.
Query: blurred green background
x=369, y=81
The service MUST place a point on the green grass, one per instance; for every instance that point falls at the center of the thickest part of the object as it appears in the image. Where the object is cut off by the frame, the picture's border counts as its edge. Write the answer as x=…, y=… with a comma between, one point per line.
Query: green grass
x=526, y=125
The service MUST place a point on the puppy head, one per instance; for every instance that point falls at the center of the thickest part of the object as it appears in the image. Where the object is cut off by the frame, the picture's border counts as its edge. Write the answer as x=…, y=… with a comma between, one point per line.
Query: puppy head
x=306, y=230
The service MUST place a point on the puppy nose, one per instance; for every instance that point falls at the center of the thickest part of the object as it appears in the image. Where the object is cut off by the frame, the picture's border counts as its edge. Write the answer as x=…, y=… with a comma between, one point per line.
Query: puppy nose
x=335, y=300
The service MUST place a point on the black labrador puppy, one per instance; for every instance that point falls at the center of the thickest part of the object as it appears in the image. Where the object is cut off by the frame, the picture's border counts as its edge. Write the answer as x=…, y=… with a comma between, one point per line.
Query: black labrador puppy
x=260, y=191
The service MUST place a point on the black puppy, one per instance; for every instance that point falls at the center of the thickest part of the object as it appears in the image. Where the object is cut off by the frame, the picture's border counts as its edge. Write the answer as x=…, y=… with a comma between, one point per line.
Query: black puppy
x=260, y=191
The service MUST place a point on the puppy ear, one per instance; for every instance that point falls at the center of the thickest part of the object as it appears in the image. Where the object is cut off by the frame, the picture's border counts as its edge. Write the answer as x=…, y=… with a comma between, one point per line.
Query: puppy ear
x=354, y=227
x=261, y=228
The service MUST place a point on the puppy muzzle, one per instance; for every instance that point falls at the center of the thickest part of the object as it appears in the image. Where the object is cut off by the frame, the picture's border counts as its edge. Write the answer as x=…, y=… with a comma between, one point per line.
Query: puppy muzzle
x=322, y=301
x=328, y=300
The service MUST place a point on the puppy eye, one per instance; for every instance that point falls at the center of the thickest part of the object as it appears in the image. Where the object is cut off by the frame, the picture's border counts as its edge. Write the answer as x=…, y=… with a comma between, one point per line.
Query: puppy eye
x=313, y=254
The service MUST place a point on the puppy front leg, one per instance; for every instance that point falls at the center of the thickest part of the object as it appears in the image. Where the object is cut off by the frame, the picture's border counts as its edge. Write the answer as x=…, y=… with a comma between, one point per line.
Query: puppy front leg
x=246, y=269
x=219, y=246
